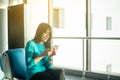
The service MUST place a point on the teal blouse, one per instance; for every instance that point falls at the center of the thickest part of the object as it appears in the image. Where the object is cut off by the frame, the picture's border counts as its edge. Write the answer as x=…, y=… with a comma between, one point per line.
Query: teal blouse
x=33, y=50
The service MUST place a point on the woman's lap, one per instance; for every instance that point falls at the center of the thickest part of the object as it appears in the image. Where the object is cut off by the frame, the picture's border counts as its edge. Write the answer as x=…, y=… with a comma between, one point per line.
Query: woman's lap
x=49, y=74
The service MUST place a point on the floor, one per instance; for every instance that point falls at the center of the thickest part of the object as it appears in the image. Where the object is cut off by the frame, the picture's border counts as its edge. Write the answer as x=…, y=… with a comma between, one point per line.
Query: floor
x=76, y=75
x=71, y=77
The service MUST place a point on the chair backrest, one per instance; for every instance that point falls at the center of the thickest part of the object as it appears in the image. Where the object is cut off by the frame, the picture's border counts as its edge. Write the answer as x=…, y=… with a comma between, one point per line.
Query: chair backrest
x=1, y=71
x=0, y=60
x=6, y=66
x=17, y=62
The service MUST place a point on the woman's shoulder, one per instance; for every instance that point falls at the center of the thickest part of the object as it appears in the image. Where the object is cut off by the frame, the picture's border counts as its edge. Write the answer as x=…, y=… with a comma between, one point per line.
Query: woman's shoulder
x=30, y=42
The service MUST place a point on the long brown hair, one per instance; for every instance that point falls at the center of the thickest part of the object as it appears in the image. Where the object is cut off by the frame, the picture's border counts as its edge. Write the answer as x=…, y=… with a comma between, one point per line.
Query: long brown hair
x=42, y=27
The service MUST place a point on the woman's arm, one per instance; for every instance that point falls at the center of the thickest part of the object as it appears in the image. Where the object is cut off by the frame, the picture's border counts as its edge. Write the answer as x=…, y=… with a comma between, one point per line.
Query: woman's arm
x=47, y=52
x=29, y=50
x=37, y=59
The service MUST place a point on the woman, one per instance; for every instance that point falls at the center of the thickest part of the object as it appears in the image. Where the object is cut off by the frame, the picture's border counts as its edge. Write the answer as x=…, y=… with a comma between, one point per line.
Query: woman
x=38, y=53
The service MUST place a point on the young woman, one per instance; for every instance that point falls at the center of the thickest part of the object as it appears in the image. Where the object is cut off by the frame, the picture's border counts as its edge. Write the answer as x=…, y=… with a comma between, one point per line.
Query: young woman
x=38, y=53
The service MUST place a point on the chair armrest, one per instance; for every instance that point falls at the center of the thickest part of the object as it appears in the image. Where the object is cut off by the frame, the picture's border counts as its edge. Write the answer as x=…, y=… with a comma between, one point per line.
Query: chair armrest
x=62, y=73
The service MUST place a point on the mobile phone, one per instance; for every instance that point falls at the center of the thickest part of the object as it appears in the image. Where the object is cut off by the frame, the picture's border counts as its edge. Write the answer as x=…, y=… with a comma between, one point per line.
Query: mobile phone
x=55, y=46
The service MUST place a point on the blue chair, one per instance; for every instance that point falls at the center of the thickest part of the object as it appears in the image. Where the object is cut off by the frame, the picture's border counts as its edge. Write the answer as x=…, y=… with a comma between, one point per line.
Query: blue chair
x=0, y=60
x=1, y=71
x=18, y=66
x=17, y=63
x=16, y=59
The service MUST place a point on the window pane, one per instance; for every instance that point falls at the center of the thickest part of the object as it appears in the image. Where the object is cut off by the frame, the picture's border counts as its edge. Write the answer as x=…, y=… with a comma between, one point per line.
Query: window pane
x=38, y=14
x=105, y=55
x=68, y=18
x=69, y=21
x=105, y=18
x=105, y=23
x=69, y=53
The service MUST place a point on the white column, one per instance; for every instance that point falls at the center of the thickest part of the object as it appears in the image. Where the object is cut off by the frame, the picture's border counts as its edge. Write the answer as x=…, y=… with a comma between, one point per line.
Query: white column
x=3, y=30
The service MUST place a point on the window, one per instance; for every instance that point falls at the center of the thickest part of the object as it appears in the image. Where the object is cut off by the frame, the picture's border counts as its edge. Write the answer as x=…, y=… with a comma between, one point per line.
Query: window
x=105, y=24
x=68, y=27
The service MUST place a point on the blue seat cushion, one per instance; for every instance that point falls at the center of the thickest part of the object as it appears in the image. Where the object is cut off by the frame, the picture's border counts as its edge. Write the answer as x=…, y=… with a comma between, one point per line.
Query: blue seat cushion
x=1, y=66
x=0, y=60
x=17, y=62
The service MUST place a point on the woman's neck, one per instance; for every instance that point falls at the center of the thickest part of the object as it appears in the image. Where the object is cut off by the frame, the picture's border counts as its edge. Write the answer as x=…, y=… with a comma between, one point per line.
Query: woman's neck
x=41, y=42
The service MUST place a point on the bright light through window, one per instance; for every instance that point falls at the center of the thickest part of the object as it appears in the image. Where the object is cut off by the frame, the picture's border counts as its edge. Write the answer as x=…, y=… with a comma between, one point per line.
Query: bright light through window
x=68, y=21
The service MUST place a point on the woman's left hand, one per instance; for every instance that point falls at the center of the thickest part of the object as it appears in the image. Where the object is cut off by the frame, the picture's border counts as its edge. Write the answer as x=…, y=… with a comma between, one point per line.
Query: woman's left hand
x=55, y=49
x=52, y=51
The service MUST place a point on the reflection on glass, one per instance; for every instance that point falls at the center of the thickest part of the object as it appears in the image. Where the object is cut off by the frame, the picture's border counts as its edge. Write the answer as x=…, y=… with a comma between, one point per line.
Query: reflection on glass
x=83, y=76
x=108, y=70
x=58, y=18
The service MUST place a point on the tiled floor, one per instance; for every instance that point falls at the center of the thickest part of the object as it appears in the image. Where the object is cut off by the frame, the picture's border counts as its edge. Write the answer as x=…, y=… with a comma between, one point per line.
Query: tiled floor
x=76, y=75
x=71, y=77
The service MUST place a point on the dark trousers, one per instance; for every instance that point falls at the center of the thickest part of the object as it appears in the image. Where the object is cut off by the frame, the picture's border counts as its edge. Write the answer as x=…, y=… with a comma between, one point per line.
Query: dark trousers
x=49, y=74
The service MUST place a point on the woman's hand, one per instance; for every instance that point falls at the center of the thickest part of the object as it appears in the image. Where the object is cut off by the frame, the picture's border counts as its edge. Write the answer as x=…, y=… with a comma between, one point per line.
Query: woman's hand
x=49, y=52
x=55, y=49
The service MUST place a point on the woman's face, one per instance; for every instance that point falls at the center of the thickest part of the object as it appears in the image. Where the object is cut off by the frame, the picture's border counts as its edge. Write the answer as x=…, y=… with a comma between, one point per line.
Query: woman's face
x=45, y=36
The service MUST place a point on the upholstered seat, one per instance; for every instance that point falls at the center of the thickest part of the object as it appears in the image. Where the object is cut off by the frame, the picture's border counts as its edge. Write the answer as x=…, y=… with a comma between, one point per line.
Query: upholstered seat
x=1, y=72
x=16, y=59
x=17, y=62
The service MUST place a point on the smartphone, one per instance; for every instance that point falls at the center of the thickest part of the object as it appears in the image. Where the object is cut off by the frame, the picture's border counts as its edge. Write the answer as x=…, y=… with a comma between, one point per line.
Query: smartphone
x=55, y=48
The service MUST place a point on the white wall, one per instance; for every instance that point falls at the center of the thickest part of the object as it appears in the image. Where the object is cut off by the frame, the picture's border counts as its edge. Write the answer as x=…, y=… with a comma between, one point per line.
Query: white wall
x=3, y=30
